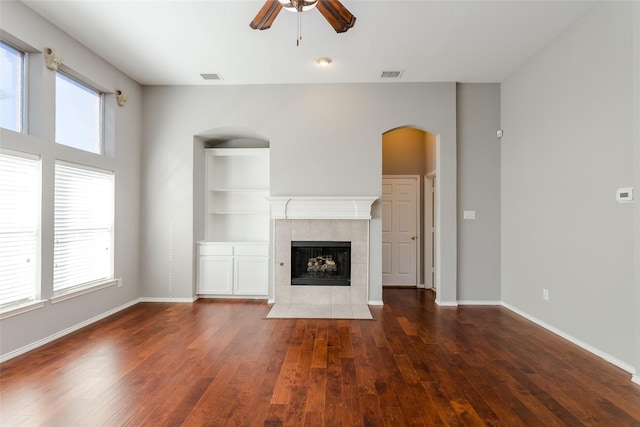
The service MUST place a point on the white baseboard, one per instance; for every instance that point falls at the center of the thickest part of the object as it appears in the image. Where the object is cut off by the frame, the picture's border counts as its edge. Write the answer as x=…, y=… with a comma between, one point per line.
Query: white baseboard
x=39, y=343
x=154, y=299
x=446, y=303
x=375, y=303
x=603, y=355
x=233, y=297
x=480, y=302
x=635, y=378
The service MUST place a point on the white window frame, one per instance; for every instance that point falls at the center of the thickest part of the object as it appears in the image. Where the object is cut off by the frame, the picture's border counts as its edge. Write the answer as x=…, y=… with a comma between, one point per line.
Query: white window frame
x=69, y=75
x=23, y=88
x=62, y=289
x=32, y=301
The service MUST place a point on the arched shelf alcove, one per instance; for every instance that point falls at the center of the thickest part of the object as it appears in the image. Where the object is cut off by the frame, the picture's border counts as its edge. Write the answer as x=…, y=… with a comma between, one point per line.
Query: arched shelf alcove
x=231, y=213
x=229, y=138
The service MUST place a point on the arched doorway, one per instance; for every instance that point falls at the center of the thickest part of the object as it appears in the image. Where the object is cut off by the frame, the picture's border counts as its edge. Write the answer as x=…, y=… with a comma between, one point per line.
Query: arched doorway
x=408, y=207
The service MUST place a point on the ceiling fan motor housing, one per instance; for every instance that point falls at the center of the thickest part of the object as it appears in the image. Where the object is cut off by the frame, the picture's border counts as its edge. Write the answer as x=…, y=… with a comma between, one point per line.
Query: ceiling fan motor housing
x=298, y=5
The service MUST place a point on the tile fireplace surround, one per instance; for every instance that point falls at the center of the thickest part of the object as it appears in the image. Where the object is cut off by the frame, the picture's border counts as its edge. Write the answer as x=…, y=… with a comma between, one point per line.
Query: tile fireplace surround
x=321, y=219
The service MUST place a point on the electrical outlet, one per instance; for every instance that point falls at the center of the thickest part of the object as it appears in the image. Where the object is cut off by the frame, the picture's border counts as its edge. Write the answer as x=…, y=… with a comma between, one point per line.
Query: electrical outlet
x=119, y=281
x=545, y=294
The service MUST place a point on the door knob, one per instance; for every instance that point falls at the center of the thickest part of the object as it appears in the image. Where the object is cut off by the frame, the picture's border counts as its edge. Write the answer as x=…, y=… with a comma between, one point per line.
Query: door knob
x=413, y=237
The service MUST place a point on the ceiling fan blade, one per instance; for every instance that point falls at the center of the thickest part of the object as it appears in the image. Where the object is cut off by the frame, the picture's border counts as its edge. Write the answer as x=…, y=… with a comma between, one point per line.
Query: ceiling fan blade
x=266, y=15
x=337, y=15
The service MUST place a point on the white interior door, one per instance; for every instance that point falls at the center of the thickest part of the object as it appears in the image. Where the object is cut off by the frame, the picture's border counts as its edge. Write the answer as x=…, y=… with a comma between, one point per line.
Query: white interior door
x=399, y=231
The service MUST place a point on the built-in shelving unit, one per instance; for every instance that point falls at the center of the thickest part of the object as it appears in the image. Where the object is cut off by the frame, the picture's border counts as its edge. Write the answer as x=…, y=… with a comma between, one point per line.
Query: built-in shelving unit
x=237, y=187
x=233, y=259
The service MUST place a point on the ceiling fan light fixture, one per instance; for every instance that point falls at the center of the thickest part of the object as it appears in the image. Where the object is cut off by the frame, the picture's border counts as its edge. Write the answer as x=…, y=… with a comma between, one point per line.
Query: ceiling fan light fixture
x=324, y=61
x=298, y=5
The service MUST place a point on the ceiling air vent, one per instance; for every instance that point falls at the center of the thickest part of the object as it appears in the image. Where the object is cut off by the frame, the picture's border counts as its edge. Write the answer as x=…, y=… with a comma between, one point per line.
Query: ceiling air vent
x=213, y=76
x=391, y=74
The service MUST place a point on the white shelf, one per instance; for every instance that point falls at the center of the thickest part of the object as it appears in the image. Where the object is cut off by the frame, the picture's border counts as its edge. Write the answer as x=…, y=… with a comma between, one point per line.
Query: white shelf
x=238, y=213
x=237, y=152
x=237, y=189
x=238, y=169
x=234, y=258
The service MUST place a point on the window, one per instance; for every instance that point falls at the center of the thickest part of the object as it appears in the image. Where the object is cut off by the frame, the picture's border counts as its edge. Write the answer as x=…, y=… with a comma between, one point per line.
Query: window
x=12, y=89
x=78, y=115
x=83, y=226
x=19, y=225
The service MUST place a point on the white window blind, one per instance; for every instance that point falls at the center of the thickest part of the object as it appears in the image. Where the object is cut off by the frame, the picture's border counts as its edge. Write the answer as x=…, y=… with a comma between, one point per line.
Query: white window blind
x=19, y=225
x=83, y=230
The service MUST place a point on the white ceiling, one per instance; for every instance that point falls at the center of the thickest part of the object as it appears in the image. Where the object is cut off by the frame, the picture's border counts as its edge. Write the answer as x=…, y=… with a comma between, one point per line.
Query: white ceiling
x=173, y=42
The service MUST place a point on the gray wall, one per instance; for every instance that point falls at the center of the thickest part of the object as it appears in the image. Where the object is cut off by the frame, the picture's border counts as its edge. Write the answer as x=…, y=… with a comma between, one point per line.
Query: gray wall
x=337, y=143
x=478, y=115
x=636, y=180
x=568, y=145
x=25, y=329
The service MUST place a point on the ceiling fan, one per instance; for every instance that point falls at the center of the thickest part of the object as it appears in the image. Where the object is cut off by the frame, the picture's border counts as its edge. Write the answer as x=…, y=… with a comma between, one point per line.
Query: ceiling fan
x=334, y=12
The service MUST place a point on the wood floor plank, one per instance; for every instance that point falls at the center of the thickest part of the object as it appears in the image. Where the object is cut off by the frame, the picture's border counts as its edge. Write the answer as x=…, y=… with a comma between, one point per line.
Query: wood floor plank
x=221, y=363
x=334, y=397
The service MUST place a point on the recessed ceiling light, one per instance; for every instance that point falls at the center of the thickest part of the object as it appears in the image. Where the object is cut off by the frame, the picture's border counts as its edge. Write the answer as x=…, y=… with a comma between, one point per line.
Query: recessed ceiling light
x=324, y=61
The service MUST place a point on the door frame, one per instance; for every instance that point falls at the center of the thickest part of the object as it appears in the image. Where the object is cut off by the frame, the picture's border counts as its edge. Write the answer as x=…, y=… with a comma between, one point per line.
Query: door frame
x=430, y=220
x=418, y=220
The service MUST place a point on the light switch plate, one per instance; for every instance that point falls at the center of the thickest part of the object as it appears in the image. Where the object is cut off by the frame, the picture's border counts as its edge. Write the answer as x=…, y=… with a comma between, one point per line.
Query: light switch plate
x=469, y=215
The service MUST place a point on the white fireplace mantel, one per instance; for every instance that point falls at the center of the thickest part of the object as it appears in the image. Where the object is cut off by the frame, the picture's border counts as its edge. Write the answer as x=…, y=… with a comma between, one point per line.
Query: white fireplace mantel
x=295, y=207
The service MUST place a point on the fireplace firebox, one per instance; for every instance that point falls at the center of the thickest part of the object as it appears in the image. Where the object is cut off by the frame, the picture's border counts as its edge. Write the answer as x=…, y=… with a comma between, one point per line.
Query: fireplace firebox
x=321, y=263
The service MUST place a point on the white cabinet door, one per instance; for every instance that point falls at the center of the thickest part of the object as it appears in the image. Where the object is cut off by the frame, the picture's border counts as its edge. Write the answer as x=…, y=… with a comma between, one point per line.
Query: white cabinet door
x=216, y=275
x=251, y=275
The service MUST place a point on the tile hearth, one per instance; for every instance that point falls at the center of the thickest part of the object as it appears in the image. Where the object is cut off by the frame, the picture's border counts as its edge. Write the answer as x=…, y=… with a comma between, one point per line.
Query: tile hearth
x=319, y=311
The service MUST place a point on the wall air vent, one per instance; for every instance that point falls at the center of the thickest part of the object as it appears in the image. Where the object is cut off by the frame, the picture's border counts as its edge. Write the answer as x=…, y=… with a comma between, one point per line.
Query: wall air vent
x=391, y=74
x=213, y=76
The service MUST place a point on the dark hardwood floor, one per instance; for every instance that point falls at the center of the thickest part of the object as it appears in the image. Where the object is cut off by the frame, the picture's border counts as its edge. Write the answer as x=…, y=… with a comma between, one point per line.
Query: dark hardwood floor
x=219, y=363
